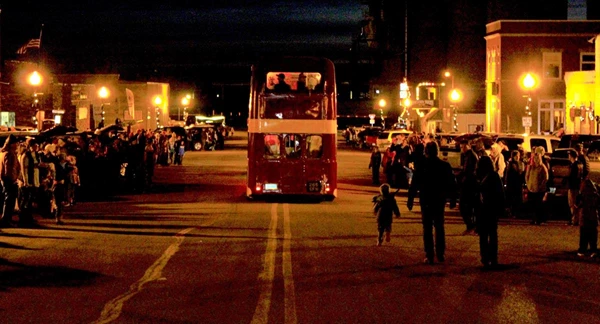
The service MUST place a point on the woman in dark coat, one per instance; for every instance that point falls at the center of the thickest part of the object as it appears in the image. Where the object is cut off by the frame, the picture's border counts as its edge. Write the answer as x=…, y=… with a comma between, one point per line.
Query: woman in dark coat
x=491, y=208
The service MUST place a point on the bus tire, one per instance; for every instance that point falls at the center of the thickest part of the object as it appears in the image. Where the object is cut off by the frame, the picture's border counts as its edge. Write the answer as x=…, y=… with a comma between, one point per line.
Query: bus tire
x=328, y=198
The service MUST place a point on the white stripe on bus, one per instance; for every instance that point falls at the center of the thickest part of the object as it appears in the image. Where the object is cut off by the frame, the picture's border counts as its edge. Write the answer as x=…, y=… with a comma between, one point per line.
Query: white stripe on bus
x=292, y=126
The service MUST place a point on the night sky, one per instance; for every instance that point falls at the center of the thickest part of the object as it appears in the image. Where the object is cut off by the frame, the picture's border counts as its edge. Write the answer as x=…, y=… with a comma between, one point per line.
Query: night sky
x=133, y=37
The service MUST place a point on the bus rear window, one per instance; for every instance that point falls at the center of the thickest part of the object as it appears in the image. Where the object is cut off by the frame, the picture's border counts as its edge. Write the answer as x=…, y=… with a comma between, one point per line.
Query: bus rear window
x=314, y=146
x=272, y=147
x=293, y=149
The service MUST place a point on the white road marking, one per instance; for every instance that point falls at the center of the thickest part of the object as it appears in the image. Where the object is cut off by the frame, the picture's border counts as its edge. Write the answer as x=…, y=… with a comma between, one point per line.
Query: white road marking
x=288, y=278
x=266, y=276
x=112, y=310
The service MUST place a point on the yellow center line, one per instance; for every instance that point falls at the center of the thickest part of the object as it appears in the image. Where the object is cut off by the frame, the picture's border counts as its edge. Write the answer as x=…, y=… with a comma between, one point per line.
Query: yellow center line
x=288, y=278
x=266, y=276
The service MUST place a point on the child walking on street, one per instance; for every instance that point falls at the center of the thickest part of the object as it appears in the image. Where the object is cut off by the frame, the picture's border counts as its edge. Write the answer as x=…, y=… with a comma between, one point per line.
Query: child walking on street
x=589, y=202
x=384, y=206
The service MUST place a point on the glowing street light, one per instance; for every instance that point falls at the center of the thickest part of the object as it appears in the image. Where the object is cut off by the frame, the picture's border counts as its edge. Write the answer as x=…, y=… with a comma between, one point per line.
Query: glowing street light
x=157, y=102
x=447, y=74
x=528, y=82
x=455, y=97
x=382, y=103
x=185, y=101
x=35, y=78
x=103, y=94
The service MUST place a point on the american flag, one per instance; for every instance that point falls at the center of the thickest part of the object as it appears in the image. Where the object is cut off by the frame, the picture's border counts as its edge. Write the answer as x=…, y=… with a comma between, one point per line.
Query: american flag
x=33, y=43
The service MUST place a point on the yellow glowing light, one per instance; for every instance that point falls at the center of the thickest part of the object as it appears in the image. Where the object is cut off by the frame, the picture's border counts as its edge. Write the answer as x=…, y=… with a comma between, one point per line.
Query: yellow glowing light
x=157, y=100
x=185, y=101
x=103, y=93
x=35, y=78
x=528, y=81
x=407, y=102
x=455, y=95
x=382, y=103
x=447, y=74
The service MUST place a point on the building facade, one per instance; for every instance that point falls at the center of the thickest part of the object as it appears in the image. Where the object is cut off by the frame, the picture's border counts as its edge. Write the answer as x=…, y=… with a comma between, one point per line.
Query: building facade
x=142, y=105
x=544, y=50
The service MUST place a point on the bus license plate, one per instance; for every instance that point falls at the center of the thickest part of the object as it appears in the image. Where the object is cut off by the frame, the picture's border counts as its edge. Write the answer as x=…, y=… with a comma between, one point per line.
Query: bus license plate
x=313, y=186
x=270, y=186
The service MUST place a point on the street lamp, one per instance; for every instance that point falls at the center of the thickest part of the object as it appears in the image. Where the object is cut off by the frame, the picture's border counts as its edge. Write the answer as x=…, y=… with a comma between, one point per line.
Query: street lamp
x=447, y=74
x=455, y=97
x=382, y=103
x=35, y=79
x=185, y=101
x=157, y=103
x=103, y=94
x=528, y=83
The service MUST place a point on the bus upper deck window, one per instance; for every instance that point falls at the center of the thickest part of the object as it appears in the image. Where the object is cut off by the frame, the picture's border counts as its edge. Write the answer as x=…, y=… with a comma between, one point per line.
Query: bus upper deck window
x=314, y=146
x=294, y=82
x=272, y=147
x=293, y=149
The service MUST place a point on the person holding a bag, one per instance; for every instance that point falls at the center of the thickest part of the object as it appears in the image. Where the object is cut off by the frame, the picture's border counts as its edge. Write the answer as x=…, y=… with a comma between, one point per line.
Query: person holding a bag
x=536, y=179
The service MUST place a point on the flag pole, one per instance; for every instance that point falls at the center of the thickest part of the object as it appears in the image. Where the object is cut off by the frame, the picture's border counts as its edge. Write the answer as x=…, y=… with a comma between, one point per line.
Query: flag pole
x=41, y=30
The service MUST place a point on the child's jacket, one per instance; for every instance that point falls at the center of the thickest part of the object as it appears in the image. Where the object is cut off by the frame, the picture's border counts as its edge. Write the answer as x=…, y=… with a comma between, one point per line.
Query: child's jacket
x=385, y=207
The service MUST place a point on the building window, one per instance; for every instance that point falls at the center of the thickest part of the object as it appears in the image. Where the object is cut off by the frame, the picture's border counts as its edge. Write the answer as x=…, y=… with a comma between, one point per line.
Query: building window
x=588, y=62
x=552, y=64
x=551, y=116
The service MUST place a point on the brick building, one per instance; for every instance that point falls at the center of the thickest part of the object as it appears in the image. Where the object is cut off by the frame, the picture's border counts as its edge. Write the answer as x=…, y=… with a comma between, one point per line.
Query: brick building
x=544, y=49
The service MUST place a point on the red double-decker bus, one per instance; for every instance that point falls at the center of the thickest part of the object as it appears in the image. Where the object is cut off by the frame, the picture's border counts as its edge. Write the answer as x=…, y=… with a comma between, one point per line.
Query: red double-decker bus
x=292, y=128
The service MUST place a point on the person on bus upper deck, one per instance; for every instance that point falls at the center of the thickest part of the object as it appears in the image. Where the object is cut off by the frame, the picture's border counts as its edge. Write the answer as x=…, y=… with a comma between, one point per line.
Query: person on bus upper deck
x=281, y=86
x=301, y=83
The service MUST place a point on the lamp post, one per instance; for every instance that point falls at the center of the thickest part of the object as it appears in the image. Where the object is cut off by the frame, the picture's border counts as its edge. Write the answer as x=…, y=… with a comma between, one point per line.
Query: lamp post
x=35, y=80
x=382, y=103
x=447, y=74
x=157, y=103
x=103, y=94
x=528, y=83
x=455, y=97
x=185, y=101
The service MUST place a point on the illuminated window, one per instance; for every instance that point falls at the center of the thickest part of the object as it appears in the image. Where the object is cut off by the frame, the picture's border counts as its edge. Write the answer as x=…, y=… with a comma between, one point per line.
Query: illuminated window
x=588, y=62
x=272, y=147
x=314, y=146
x=552, y=65
x=293, y=149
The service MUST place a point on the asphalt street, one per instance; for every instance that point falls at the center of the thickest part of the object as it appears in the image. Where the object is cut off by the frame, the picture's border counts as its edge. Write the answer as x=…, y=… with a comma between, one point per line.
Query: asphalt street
x=193, y=249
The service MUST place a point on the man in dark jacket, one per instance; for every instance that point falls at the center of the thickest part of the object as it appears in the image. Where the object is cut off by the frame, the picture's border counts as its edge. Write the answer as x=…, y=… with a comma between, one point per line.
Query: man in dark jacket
x=435, y=182
x=573, y=185
x=468, y=186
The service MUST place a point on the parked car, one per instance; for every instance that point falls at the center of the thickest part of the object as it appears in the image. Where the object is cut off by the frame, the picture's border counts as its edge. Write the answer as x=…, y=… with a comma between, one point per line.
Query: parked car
x=570, y=140
x=368, y=137
x=559, y=167
x=527, y=142
x=197, y=138
x=384, y=139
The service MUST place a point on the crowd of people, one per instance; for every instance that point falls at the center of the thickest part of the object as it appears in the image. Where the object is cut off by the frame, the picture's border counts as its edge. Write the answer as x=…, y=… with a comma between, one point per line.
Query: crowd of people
x=490, y=184
x=42, y=175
